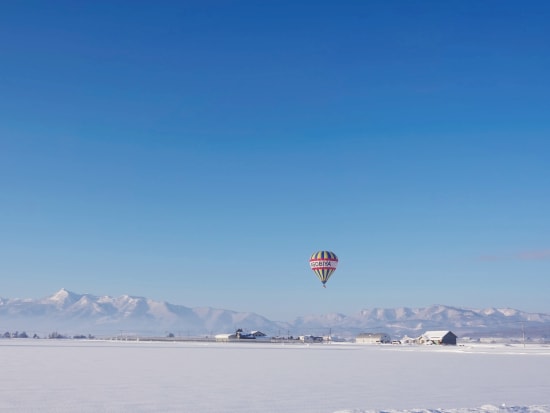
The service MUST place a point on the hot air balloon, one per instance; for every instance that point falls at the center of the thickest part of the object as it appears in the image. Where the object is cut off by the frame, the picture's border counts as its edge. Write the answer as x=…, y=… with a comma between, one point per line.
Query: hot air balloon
x=323, y=264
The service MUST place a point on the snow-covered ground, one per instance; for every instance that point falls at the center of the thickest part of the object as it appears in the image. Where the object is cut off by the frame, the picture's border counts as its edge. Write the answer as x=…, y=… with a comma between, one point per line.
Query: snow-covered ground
x=118, y=376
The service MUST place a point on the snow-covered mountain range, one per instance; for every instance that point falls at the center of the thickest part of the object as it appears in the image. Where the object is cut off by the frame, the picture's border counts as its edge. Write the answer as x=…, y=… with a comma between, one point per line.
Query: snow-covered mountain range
x=73, y=313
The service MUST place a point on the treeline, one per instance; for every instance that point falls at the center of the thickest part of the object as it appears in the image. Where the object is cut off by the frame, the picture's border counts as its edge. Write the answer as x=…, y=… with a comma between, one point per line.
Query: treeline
x=52, y=335
x=17, y=334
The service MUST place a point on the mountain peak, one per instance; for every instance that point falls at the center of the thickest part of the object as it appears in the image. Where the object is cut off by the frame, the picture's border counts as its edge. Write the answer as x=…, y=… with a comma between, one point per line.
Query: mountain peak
x=63, y=297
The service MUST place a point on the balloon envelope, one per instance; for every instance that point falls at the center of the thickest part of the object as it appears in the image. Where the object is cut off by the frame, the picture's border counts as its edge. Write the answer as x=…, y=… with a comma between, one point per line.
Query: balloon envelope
x=323, y=264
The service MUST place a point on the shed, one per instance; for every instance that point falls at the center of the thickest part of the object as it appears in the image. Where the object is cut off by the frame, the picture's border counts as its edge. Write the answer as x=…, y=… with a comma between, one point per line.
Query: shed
x=438, y=337
x=373, y=338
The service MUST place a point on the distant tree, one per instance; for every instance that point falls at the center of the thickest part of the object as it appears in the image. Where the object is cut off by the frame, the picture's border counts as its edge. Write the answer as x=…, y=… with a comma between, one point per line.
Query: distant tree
x=170, y=335
x=55, y=334
x=23, y=335
x=90, y=337
x=35, y=336
x=7, y=334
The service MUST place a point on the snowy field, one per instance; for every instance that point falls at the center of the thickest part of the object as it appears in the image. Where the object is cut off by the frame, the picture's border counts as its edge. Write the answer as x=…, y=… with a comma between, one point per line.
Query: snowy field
x=118, y=376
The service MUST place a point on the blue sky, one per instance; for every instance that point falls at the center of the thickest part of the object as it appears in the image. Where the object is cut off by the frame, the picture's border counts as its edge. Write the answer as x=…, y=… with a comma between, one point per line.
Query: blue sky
x=199, y=152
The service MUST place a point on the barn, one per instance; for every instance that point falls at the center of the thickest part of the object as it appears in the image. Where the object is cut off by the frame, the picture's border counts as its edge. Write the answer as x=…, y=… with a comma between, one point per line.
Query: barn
x=438, y=337
x=372, y=338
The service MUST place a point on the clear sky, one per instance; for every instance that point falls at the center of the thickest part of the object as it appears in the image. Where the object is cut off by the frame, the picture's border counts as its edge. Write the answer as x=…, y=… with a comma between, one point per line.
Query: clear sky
x=199, y=152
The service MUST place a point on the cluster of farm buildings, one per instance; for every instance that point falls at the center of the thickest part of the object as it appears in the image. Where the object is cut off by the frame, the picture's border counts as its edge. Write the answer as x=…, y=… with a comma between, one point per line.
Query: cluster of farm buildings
x=440, y=337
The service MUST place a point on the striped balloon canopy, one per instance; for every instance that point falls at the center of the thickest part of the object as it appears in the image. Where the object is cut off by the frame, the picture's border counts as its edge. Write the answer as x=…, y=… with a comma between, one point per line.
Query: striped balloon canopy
x=323, y=264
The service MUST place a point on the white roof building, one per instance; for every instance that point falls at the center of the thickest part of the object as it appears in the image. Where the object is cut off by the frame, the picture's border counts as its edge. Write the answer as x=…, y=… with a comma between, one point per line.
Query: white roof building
x=373, y=338
x=438, y=337
x=225, y=337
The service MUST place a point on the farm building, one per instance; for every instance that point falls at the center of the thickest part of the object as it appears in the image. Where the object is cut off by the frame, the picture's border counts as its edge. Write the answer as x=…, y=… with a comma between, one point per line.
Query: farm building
x=438, y=337
x=310, y=339
x=240, y=335
x=408, y=340
x=258, y=335
x=225, y=337
x=372, y=338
